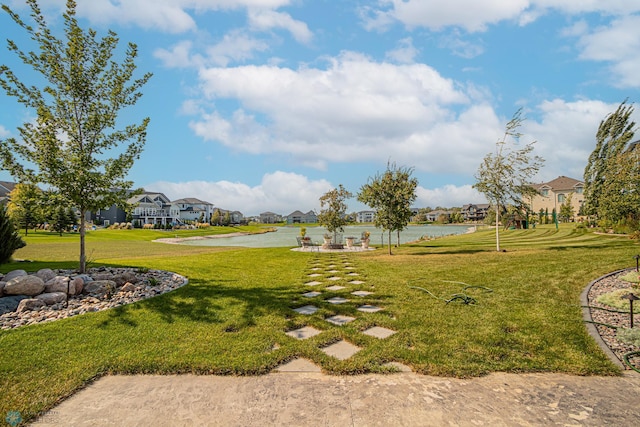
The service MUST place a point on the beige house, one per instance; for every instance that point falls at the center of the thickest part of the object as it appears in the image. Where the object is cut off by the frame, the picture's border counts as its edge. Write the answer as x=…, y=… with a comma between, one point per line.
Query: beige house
x=553, y=194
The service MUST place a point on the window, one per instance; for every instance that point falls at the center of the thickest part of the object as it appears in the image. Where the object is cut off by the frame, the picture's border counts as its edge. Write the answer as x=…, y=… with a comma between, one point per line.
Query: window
x=579, y=190
x=545, y=192
x=560, y=198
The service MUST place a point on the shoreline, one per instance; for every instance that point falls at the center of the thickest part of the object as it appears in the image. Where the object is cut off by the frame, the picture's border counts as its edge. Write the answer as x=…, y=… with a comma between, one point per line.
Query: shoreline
x=178, y=240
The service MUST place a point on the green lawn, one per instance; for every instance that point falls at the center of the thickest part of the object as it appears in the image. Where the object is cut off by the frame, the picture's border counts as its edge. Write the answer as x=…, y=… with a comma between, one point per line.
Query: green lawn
x=233, y=315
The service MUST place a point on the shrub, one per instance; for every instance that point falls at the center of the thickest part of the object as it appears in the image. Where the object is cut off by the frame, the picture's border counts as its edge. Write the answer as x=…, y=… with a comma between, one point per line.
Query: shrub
x=629, y=336
x=11, y=240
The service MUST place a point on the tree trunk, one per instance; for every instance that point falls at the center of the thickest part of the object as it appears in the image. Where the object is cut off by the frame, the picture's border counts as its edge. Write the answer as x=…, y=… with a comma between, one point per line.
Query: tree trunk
x=398, y=245
x=390, y=243
x=497, y=227
x=83, y=260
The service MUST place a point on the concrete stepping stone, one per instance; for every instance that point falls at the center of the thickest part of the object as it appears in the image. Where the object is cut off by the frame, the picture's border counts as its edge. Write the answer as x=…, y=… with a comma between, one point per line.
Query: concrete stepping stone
x=334, y=278
x=316, y=268
x=379, y=332
x=341, y=350
x=348, y=267
x=353, y=274
x=339, y=319
x=368, y=308
x=304, y=333
x=334, y=288
x=298, y=365
x=399, y=366
x=331, y=266
x=315, y=275
x=337, y=300
x=360, y=293
x=307, y=309
x=333, y=271
x=311, y=294
x=356, y=282
x=314, y=283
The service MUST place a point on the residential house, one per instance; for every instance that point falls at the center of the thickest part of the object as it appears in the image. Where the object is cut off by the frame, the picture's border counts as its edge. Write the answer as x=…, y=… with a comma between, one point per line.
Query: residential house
x=235, y=217
x=438, y=215
x=154, y=208
x=551, y=195
x=475, y=212
x=6, y=187
x=270, y=218
x=298, y=217
x=365, y=216
x=192, y=209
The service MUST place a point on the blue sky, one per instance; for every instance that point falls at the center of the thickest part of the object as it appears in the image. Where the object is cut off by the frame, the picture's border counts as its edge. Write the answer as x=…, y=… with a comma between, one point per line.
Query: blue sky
x=264, y=105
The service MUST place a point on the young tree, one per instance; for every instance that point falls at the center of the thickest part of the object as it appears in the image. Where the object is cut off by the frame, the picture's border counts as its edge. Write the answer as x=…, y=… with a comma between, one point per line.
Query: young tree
x=614, y=133
x=77, y=108
x=59, y=220
x=390, y=194
x=566, y=209
x=333, y=210
x=11, y=240
x=25, y=206
x=504, y=176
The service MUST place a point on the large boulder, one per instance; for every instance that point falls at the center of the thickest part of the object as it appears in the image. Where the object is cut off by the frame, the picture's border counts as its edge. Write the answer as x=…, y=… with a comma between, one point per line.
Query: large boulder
x=78, y=286
x=51, y=298
x=59, y=284
x=46, y=274
x=128, y=287
x=102, y=276
x=13, y=274
x=100, y=288
x=29, y=304
x=24, y=285
x=9, y=304
x=2, y=284
x=125, y=277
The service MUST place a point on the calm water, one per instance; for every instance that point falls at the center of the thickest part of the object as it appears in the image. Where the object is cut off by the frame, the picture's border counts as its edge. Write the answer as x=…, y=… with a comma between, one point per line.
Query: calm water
x=286, y=236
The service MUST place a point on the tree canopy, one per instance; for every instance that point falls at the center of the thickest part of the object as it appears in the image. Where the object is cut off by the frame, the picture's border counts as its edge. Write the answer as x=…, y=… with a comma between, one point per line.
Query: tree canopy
x=25, y=207
x=77, y=102
x=611, y=177
x=390, y=194
x=504, y=177
x=11, y=240
x=333, y=210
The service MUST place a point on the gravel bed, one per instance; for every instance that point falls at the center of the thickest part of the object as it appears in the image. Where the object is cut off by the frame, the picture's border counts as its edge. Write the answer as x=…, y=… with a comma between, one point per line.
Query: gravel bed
x=619, y=320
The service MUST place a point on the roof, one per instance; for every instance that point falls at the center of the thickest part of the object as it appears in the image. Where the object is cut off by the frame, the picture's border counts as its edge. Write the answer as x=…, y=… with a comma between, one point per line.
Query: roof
x=560, y=183
x=6, y=187
x=192, y=201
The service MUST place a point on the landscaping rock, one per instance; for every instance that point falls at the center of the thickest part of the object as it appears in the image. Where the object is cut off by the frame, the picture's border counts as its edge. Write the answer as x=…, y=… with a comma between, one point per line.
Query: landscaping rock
x=85, y=278
x=46, y=274
x=2, y=284
x=125, y=277
x=58, y=284
x=78, y=286
x=128, y=287
x=29, y=304
x=102, y=276
x=24, y=285
x=52, y=297
x=100, y=288
x=9, y=304
x=13, y=274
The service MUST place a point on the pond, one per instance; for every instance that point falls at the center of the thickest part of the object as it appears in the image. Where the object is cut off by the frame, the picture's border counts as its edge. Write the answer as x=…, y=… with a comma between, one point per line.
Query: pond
x=286, y=236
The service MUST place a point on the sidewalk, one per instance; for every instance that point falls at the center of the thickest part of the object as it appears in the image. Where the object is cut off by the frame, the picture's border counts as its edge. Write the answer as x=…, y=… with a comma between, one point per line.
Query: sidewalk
x=313, y=399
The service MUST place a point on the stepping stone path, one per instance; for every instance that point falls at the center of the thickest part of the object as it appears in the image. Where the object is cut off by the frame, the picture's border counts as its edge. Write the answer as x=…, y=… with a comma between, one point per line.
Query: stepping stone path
x=334, y=270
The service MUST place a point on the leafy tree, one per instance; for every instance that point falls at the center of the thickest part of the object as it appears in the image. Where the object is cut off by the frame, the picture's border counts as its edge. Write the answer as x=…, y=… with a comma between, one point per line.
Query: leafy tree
x=504, y=176
x=59, y=220
x=25, y=206
x=566, y=208
x=76, y=126
x=226, y=220
x=390, y=194
x=333, y=210
x=215, y=217
x=603, y=186
x=11, y=240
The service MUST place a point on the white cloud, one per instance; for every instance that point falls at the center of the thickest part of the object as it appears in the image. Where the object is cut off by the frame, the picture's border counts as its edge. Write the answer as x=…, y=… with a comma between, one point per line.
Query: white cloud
x=4, y=132
x=617, y=43
x=448, y=196
x=566, y=135
x=405, y=53
x=354, y=110
x=265, y=20
x=460, y=47
x=474, y=16
x=280, y=192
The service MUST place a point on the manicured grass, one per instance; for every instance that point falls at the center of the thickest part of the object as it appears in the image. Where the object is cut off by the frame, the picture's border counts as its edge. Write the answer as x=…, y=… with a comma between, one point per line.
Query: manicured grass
x=233, y=315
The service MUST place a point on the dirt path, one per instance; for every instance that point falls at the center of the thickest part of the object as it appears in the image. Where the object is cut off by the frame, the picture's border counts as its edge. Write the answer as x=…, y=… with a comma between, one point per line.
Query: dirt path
x=311, y=399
